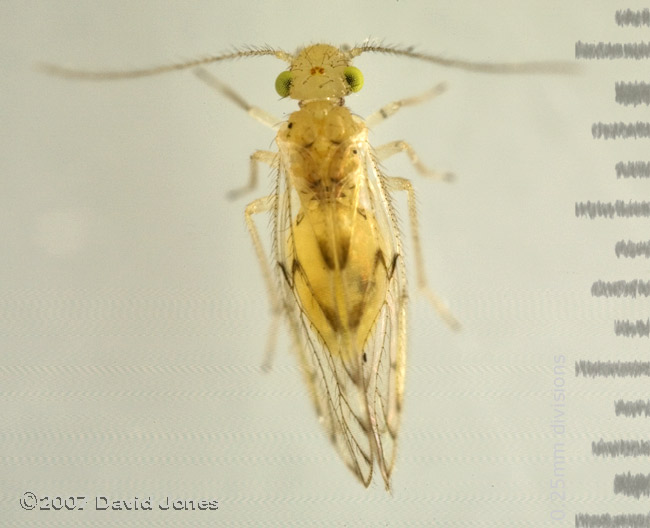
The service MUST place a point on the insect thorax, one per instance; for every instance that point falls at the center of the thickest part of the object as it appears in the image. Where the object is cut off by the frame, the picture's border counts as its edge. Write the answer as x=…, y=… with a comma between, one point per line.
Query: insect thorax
x=322, y=146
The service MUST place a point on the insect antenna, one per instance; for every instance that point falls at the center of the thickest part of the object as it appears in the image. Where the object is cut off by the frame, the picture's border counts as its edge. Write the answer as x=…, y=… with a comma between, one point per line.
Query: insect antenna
x=71, y=73
x=535, y=67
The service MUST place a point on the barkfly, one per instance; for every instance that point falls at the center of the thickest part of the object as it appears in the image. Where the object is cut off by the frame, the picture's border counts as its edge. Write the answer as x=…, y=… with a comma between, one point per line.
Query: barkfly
x=336, y=271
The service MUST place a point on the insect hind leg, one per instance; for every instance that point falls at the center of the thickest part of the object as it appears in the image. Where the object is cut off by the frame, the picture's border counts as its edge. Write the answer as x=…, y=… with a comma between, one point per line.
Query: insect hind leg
x=263, y=205
x=402, y=184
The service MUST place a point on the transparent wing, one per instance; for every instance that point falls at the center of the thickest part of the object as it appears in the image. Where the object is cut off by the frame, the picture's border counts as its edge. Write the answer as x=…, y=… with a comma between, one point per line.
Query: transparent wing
x=387, y=343
x=357, y=396
x=339, y=398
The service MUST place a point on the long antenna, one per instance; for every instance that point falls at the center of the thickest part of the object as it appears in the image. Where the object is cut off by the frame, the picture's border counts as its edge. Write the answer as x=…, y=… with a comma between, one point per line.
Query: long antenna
x=541, y=67
x=70, y=73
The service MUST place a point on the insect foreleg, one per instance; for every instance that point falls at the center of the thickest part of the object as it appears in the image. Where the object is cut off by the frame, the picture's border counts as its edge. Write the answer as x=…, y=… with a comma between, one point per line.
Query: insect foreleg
x=259, y=156
x=260, y=115
x=394, y=147
x=402, y=184
x=388, y=110
x=263, y=205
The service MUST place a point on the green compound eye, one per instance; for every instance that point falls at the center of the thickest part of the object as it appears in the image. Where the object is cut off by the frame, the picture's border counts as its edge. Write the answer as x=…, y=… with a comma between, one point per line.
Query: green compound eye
x=283, y=83
x=354, y=78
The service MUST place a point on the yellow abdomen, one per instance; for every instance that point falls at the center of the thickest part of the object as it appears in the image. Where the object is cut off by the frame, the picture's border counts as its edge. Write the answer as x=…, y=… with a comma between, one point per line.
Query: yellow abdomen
x=340, y=276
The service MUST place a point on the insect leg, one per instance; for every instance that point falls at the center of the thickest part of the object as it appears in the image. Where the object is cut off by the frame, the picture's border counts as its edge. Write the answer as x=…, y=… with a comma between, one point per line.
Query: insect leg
x=255, y=112
x=263, y=205
x=389, y=149
x=388, y=110
x=259, y=156
x=402, y=184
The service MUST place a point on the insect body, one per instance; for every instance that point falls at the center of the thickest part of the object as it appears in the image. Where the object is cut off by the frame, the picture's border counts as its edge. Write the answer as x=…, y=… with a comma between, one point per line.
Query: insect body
x=338, y=255
x=342, y=276
x=337, y=273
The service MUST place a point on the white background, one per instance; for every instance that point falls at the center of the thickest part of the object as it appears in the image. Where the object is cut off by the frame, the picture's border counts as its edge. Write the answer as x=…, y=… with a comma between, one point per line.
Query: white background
x=134, y=317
